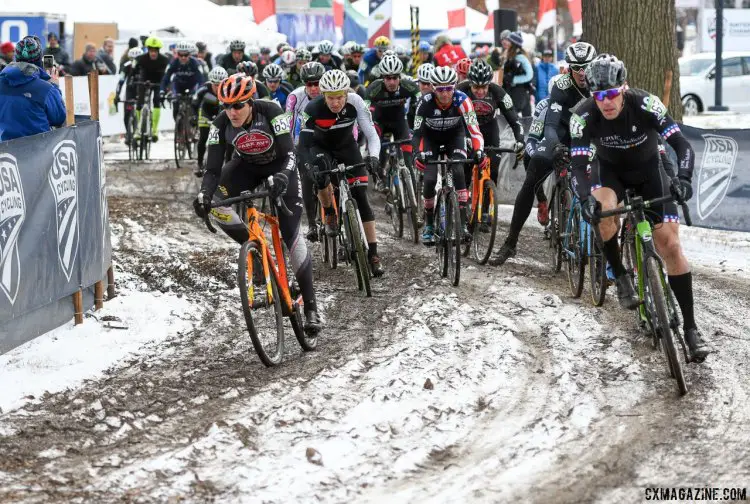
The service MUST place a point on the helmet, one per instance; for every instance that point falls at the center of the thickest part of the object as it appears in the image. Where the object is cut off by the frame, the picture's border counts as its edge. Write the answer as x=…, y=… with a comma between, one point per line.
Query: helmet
x=303, y=55
x=248, y=68
x=424, y=72
x=425, y=46
x=184, y=46
x=334, y=80
x=237, y=45
x=265, y=50
x=288, y=57
x=606, y=72
x=273, y=72
x=356, y=48
x=29, y=50
x=389, y=52
x=390, y=65
x=462, y=66
x=400, y=50
x=325, y=47
x=201, y=46
x=154, y=43
x=580, y=53
x=284, y=47
x=236, y=89
x=382, y=42
x=311, y=71
x=443, y=76
x=253, y=49
x=480, y=73
x=217, y=74
x=353, y=78
x=134, y=52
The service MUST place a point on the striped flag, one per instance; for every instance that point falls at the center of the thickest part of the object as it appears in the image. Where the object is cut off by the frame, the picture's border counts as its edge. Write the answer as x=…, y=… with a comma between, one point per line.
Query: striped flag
x=547, y=15
x=379, y=22
x=574, y=6
x=338, y=20
x=456, y=14
x=264, y=12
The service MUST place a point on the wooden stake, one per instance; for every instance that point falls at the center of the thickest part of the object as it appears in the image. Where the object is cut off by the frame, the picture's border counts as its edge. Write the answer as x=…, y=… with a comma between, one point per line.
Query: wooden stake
x=70, y=105
x=110, y=284
x=94, y=94
x=78, y=307
x=667, y=88
x=99, y=295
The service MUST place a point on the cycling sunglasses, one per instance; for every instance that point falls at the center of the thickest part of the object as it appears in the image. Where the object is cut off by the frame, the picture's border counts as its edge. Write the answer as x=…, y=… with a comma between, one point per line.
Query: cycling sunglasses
x=237, y=106
x=608, y=93
x=578, y=68
x=391, y=77
x=273, y=81
x=183, y=55
x=312, y=84
x=444, y=89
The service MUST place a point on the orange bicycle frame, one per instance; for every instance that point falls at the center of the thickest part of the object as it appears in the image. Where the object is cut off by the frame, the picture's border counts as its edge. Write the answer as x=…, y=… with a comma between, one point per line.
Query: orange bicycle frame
x=477, y=187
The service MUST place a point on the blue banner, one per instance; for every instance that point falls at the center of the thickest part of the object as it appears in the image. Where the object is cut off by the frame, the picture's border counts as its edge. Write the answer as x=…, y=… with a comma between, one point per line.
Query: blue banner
x=306, y=27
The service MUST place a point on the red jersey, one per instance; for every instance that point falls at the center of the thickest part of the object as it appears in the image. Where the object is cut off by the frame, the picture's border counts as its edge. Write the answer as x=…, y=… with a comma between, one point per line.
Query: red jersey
x=448, y=55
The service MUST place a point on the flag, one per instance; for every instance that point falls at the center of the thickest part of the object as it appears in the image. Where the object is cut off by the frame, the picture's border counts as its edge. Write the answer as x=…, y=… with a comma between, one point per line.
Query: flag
x=574, y=6
x=355, y=24
x=492, y=6
x=338, y=20
x=264, y=12
x=456, y=14
x=379, y=22
x=547, y=15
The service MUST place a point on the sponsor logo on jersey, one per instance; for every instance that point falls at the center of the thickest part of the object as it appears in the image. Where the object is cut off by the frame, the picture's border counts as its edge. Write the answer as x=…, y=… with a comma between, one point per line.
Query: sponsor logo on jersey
x=556, y=107
x=654, y=105
x=12, y=215
x=715, y=172
x=63, y=182
x=577, y=123
x=213, y=136
x=483, y=108
x=253, y=142
x=508, y=102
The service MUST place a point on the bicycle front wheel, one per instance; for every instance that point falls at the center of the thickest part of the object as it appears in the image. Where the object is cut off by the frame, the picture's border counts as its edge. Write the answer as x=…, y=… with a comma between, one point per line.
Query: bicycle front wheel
x=556, y=212
x=597, y=269
x=393, y=200
x=361, y=265
x=261, y=305
x=441, y=233
x=453, y=239
x=657, y=287
x=411, y=203
x=576, y=261
x=485, y=227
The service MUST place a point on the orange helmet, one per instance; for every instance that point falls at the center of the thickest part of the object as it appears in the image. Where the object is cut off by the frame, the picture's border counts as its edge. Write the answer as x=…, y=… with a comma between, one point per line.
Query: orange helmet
x=463, y=65
x=237, y=88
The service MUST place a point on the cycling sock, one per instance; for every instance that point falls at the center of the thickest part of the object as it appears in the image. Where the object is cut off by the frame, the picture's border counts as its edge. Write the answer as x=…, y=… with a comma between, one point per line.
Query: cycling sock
x=612, y=253
x=155, y=115
x=682, y=286
x=373, y=249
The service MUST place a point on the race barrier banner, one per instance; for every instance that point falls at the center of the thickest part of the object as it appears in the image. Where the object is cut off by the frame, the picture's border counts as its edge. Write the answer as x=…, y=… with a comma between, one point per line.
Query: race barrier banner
x=54, y=228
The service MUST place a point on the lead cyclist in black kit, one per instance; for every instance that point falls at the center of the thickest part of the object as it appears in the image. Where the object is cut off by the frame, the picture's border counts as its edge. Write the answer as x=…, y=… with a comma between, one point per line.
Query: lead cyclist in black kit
x=624, y=125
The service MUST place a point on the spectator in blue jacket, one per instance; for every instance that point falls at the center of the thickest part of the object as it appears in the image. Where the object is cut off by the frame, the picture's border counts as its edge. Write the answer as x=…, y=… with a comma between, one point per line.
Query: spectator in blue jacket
x=30, y=101
x=545, y=70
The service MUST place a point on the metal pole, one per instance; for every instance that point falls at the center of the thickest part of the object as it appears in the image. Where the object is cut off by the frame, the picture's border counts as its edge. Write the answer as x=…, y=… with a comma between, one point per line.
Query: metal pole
x=719, y=67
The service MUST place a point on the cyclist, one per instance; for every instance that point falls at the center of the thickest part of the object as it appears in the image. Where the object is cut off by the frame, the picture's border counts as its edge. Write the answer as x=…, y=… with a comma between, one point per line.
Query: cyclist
x=253, y=53
x=296, y=102
x=207, y=103
x=288, y=61
x=462, y=69
x=490, y=100
x=236, y=55
x=278, y=88
x=152, y=65
x=425, y=52
x=204, y=54
x=302, y=56
x=128, y=73
x=568, y=91
x=403, y=55
x=327, y=134
x=259, y=132
x=354, y=83
x=624, y=126
x=250, y=69
x=387, y=98
x=441, y=119
x=424, y=73
x=326, y=57
x=184, y=72
x=372, y=58
x=353, y=60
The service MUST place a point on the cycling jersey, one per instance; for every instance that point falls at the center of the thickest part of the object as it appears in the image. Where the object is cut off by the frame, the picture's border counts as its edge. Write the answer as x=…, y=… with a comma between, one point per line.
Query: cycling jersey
x=332, y=64
x=183, y=77
x=128, y=74
x=628, y=141
x=370, y=61
x=536, y=130
x=281, y=94
x=228, y=63
x=564, y=97
x=151, y=70
x=206, y=99
x=295, y=106
x=441, y=124
x=496, y=102
x=389, y=107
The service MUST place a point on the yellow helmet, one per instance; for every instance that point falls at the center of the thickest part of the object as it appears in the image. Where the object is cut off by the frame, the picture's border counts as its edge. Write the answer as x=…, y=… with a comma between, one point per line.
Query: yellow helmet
x=382, y=42
x=154, y=42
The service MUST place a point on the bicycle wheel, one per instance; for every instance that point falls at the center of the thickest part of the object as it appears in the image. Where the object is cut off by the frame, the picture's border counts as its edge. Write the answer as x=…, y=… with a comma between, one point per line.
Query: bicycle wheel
x=393, y=200
x=597, y=269
x=657, y=286
x=576, y=260
x=361, y=265
x=147, y=136
x=179, y=140
x=441, y=233
x=261, y=305
x=130, y=133
x=307, y=343
x=485, y=229
x=145, y=119
x=453, y=239
x=411, y=203
x=556, y=211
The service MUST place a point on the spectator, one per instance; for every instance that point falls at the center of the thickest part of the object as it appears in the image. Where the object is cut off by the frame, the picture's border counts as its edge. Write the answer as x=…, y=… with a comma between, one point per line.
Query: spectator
x=31, y=101
x=105, y=61
x=87, y=62
x=133, y=42
x=204, y=55
x=446, y=53
x=518, y=74
x=545, y=70
x=60, y=54
x=6, y=51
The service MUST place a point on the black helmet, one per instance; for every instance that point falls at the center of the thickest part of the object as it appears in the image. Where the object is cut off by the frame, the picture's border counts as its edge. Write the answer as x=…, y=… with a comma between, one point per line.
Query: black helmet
x=201, y=46
x=480, y=72
x=353, y=78
x=605, y=72
x=312, y=71
x=248, y=68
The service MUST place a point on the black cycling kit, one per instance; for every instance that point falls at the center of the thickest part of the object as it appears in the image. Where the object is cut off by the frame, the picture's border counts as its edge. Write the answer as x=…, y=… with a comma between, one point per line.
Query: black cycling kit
x=151, y=70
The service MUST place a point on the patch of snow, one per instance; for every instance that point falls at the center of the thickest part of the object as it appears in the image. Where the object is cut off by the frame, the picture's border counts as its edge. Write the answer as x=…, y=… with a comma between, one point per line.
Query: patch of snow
x=718, y=120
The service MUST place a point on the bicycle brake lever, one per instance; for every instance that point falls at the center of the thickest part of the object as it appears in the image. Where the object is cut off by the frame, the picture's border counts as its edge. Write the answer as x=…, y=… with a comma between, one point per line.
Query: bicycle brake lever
x=282, y=206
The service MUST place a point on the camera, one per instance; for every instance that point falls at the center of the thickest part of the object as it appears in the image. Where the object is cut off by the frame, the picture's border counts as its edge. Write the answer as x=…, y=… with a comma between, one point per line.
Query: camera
x=48, y=61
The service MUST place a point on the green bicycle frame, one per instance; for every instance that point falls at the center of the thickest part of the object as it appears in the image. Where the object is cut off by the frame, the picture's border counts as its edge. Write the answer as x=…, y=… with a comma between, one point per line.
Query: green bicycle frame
x=643, y=234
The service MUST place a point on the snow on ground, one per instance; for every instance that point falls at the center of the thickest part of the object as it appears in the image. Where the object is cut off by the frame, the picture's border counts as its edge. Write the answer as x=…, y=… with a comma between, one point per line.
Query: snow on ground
x=718, y=120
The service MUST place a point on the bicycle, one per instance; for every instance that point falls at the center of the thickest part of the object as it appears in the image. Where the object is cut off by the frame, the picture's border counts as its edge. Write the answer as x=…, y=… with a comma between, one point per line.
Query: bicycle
x=352, y=240
x=130, y=129
x=144, y=126
x=657, y=311
x=448, y=239
x=183, y=127
x=559, y=205
x=401, y=197
x=266, y=285
x=484, y=214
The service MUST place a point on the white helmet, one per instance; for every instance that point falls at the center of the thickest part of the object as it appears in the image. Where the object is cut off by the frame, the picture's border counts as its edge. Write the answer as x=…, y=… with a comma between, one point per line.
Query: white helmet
x=334, y=80
x=253, y=49
x=580, y=53
x=217, y=74
x=325, y=47
x=134, y=52
x=288, y=57
x=389, y=52
x=273, y=72
x=400, y=50
x=424, y=72
x=390, y=65
x=184, y=46
x=443, y=76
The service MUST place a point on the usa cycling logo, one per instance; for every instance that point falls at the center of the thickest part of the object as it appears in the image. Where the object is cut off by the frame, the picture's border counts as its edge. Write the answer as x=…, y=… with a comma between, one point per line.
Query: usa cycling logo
x=62, y=180
x=12, y=215
x=715, y=174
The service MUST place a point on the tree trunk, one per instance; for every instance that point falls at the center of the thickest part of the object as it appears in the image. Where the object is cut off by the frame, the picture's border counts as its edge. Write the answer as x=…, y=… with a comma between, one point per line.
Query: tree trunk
x=642, y=34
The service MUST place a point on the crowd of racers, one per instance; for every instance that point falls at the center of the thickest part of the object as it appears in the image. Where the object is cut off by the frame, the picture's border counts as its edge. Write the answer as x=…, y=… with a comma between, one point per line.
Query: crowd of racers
x=292, y=115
